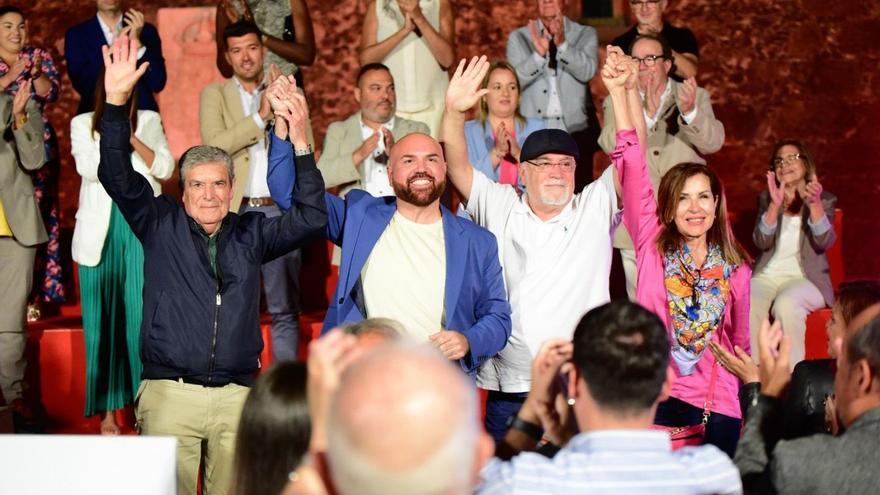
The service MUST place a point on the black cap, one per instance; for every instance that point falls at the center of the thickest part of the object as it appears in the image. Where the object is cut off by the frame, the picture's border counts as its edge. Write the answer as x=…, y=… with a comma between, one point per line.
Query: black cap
x=548, y=141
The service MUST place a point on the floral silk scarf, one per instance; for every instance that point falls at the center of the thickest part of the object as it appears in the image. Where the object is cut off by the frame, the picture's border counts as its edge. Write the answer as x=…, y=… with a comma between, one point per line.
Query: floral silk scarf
x=696, y=298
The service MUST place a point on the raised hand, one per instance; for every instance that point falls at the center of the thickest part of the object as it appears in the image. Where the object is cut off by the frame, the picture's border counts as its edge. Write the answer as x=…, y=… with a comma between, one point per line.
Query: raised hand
x=36, y=64
x=229, y=10
x=812, y=194
x=774, y=348
x=464, y=89
x=121, y=69
x=777, y=194
x=612, y=76
x=135, y=21
x=365, y=149
x=687, y=96
x=541, y=43
x=19, y=101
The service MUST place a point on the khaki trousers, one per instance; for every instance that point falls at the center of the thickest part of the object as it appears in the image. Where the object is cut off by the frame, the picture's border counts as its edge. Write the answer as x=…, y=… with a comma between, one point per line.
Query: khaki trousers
x=16, y=277
x=196, y=416
x=792, y=299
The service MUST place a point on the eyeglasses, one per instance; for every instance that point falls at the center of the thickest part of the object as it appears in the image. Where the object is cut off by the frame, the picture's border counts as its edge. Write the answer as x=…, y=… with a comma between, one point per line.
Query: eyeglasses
x=643, y=3
x=787, y=160
x=546, y=165
x=649, y=60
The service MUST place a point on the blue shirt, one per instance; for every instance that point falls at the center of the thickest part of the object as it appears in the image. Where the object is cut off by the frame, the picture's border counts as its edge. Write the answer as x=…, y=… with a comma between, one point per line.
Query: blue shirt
x=615, y=461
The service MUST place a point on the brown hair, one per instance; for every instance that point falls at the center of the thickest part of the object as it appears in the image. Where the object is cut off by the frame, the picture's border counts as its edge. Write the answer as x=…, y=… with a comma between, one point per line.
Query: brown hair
x=855, y=297
x=806, y=157
x=484, y=107
x=100, y=96
x=670, y=239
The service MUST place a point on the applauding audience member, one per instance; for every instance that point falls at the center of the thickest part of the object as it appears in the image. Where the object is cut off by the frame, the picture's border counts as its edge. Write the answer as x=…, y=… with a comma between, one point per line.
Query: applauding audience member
x=495, y=138
x=356, y=150
x=416, y=40
x=691, y=271
x=407, y=257
x=23, y=66
x=681, y=127
x=845, y=464
x=111, y=259
x=555, y=58
x=649, y=20
x=200, y=336
x=611, y=380
x=794, y=229
x=286, y=28
x=82, y=49
x=21, y=231
x=554, y=244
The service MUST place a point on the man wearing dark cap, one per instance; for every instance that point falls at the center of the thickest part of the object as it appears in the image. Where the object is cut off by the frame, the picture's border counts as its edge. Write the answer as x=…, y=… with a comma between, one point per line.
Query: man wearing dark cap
x=554, y=245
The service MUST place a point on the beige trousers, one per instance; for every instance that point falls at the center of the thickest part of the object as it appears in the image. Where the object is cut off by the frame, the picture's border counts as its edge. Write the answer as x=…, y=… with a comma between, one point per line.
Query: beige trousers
x=790, y=299
x=16, y=277
x=194, y=415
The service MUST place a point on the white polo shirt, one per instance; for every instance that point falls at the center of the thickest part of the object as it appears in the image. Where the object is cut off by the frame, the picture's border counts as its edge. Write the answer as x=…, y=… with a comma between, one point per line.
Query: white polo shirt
x=555, y=271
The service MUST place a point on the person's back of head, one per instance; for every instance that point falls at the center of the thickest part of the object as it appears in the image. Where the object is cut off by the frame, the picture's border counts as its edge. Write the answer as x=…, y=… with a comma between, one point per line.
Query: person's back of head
x=405, y=421
x=621, y=352
x=273, y=432
x=857, y=381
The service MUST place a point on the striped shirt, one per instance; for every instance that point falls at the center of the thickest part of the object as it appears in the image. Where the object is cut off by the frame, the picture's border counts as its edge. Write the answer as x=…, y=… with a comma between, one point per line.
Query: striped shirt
x=615, y=461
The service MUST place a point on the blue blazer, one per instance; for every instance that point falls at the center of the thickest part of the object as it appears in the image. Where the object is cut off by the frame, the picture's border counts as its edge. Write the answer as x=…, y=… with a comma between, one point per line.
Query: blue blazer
x=480, y=141
x=82, y=49
x=475, y=300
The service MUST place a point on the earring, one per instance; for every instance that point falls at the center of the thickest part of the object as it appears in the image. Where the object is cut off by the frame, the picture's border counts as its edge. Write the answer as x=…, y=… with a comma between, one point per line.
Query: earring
x=570, y=401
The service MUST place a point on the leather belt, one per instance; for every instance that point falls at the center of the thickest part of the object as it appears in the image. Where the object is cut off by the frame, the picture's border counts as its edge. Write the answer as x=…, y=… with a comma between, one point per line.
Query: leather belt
x=193, y=381
x=256, y=202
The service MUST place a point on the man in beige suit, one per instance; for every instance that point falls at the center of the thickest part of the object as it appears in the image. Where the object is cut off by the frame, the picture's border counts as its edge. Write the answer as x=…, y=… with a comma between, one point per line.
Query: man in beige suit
x=681, y=127
x=21, y=230
x=233, y=116
x=356, y=149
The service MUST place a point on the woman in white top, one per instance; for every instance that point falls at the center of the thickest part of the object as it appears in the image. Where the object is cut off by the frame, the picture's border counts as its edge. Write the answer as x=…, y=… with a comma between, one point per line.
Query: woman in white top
x=795, y=228
x=111, y=260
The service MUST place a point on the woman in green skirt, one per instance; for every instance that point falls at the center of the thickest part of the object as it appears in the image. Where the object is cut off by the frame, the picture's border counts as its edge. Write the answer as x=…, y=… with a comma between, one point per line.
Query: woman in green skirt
x=111, y=260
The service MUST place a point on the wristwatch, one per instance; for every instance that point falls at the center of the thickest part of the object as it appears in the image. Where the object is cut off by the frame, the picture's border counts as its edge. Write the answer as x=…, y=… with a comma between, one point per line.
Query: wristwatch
x=530, y=429
x=303, y=152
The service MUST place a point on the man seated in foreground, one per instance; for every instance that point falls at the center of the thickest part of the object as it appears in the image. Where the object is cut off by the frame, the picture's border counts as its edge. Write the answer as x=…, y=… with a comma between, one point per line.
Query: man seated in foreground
x=613, y=375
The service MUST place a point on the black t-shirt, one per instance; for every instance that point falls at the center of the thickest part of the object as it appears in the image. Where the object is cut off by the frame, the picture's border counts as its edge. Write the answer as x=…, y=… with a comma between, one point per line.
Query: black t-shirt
x=681, y=40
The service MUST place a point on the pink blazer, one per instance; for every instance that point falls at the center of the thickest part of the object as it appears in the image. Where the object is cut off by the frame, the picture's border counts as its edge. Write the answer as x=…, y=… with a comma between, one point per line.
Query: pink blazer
x=640, y=218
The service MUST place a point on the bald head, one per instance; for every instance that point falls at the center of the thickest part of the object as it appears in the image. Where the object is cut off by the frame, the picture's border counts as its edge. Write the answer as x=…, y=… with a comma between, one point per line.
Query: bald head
x=403, y=421
x=417, y=169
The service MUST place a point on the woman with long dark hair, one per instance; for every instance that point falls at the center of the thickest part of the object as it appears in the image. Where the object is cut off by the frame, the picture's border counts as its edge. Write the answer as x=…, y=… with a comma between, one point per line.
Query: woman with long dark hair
x=691, y=271
x=111, y=260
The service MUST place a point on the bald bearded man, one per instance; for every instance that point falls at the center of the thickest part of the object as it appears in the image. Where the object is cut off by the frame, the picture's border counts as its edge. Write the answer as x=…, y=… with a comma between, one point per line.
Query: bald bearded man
x=409, y=258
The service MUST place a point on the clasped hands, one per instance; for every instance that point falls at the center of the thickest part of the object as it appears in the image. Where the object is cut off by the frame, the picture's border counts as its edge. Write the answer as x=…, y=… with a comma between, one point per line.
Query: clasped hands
x=290, y=109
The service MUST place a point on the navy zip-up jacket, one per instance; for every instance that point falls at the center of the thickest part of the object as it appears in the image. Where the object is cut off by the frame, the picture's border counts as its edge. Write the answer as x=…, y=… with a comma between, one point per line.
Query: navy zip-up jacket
x=200, y=323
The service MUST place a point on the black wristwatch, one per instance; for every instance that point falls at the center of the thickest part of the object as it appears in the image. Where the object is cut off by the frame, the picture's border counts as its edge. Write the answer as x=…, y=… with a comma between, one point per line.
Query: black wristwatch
x=530, y=429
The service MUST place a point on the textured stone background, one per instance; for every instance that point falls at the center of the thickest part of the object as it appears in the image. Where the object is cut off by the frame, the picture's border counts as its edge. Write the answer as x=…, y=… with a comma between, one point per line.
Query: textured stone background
x=775, y=68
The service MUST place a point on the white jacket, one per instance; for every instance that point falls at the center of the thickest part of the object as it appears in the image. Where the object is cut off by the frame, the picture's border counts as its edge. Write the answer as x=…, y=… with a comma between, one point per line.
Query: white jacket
x=93, y=215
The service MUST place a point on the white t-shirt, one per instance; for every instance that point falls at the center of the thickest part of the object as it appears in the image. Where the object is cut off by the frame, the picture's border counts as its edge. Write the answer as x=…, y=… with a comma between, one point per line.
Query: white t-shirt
x=405, y=276
x=555, y=271
x=786, y=259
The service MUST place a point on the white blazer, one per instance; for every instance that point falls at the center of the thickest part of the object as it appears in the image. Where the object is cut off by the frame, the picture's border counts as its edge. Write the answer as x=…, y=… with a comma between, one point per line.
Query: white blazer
x=93, y=215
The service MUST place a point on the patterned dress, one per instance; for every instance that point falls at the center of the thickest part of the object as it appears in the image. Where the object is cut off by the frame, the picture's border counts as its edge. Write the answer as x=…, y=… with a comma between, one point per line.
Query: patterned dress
x=48, y=286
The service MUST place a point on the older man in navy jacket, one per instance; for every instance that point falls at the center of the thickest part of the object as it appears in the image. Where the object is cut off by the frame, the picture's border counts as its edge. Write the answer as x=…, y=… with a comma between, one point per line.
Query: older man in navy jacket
x=408, y=257
x=200, y=336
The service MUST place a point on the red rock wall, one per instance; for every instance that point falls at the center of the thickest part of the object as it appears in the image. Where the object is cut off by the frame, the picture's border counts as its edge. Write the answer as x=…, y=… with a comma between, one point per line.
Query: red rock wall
x=801, y=68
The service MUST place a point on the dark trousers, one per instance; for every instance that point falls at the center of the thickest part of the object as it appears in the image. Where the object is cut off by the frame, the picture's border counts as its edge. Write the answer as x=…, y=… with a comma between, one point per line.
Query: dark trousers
x=281, y=289
x=721, y=431
x=499, y=407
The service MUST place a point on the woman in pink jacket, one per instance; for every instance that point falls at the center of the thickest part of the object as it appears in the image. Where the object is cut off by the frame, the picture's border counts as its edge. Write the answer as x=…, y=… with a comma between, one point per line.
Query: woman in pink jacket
x=691, y=271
